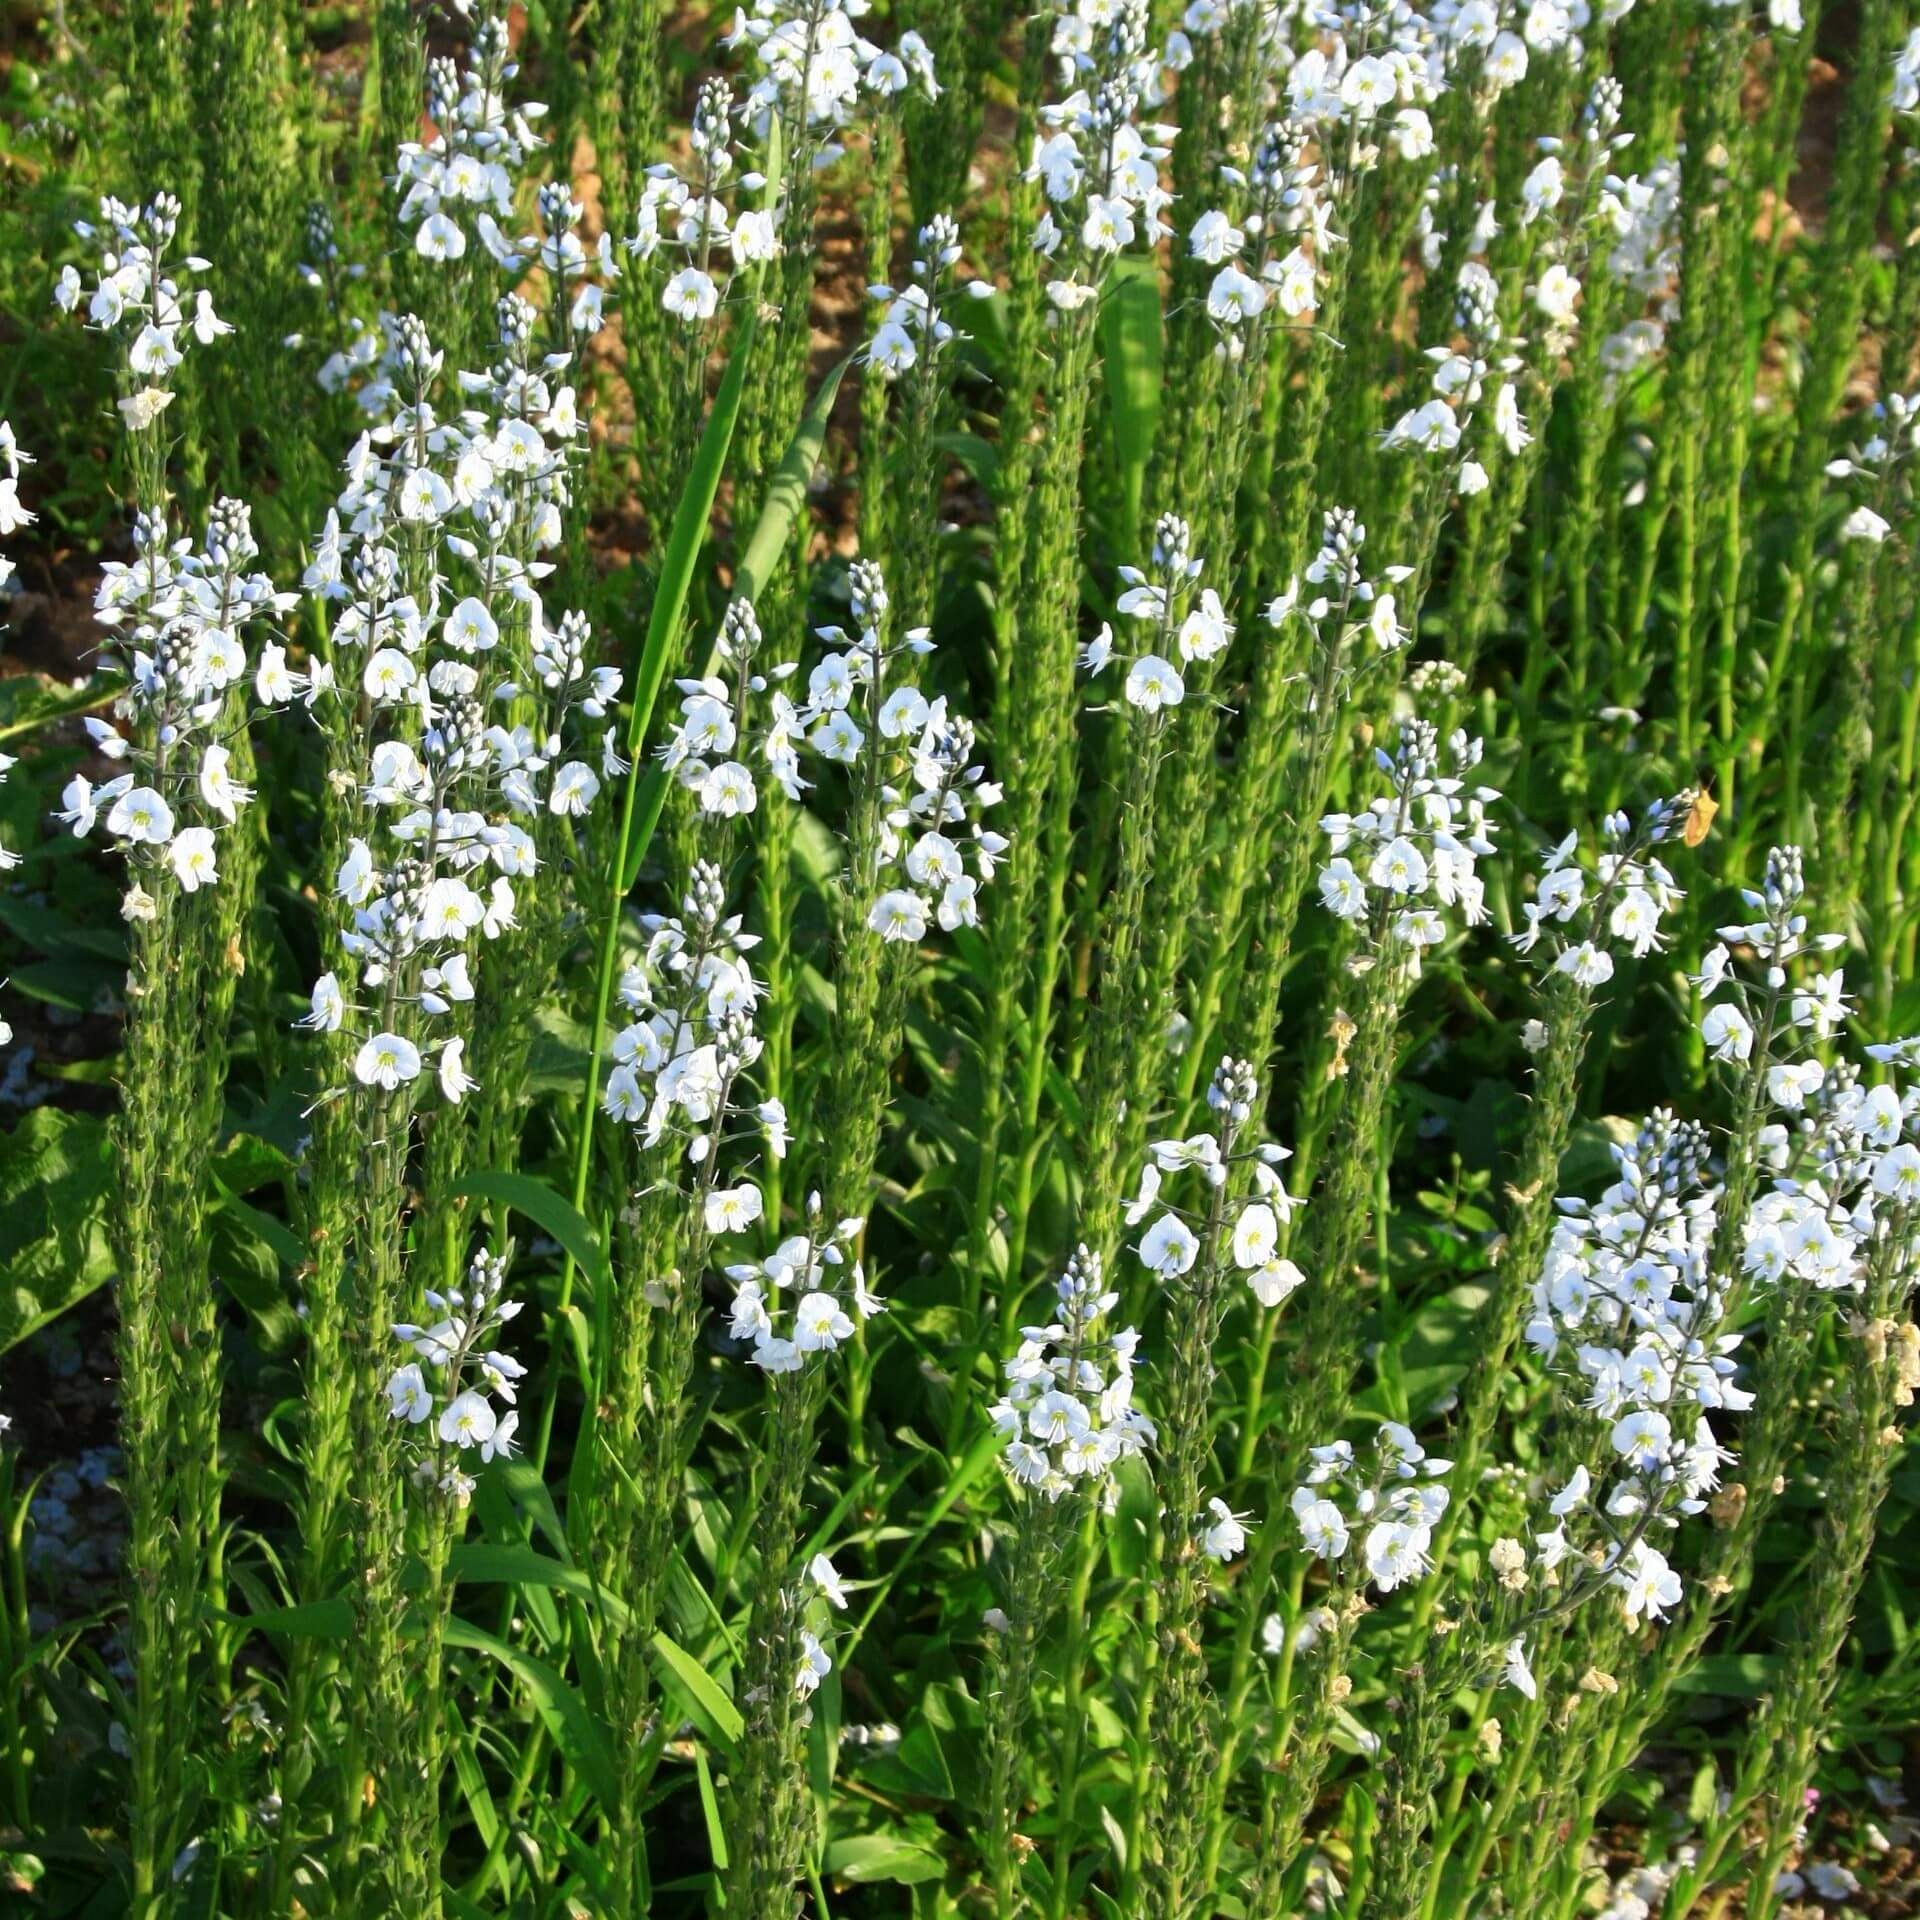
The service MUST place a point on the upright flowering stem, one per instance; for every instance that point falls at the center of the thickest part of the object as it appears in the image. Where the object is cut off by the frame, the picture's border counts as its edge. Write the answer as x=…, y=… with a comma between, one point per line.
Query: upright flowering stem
x=1882, y=1370
x=1129, y=1016
x=1619, y=904
x=680, y=1077
x=914, y=856
x=1352, y=624
x=1394, y=934
x=1099, y=182
x=175, y=616
x=1176, y=1712
x=1068, y=1419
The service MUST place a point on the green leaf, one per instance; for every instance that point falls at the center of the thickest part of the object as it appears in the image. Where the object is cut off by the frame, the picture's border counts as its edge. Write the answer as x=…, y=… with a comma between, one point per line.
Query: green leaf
x=577, y=1735
x=787, y=491
x=866, y=1857
x=527, y=1194
x=506, y=1564
x=1131, y=349
x=56, y=1176
x=710, y=1811
x=677, y=564
x=707, y=1702
x=27, y=701
x=329, y=1619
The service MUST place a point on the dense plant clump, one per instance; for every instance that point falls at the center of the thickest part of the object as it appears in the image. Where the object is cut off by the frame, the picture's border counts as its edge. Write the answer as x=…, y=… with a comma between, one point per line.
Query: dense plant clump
x=964, y=966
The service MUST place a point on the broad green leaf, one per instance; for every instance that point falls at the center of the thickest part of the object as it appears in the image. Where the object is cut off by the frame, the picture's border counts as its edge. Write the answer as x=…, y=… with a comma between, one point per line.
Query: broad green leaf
x=706, y=1700
x=863, y=1858
x=579, y=1737
x=547, y=1210
x=56, y=1179
x=1131, y=348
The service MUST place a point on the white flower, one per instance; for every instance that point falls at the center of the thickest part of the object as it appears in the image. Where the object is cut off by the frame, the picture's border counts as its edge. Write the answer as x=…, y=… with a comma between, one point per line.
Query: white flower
x=1342, y=891
x=1152, y=684
x=140, y=815
x=1274, y=1281
x=1649, y=1585
x=1396, y=1552
x=470, y=628
x=1726, y=1032
x=1516, y=1672
x=1399, y=866
x=1225, y=1538
x=439, y=238
x=1896, y=1174
x=455, y=1081
x=192, y=859
x=575, y=787
x=407, y=1395
x=732, y=1209
x=898, y=915
x=498, y=1445
x=386, y=1061
x=327, y=1007
x=819, y=1325
x=469, y=1420
x=1256, y=1234
x=813, y=1667
x=1323, y=1527
x=1168, y=1247
x=691, y=296
x=824, y=1575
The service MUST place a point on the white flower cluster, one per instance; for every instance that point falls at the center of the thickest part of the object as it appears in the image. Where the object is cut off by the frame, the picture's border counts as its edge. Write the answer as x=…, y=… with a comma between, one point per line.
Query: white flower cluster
x=1415, y=847
x=704, y=751
x=465, y=176
x=929, y=857
x=1342, y=594
x=1879, y=462
x=1178, y=622
x=494, y=477
x=1627, y=1296
x=1445, y=426
x=814, y=64
x=13, y=516
x=1170, y=1246
x=1905, y=93
x=914, y=330
x=484, y=496
x=457, y=1375
x=794, y=1303
x=1582, y=200
x=1779, y=936
x=1288, y=202
x=138, y=299
x=1068, y=1415
x=1393, y=1496
x=686, y=218
x=177, y=617
x=1620, y=900
x=1372, y=88
x=1099, y=172
x=679, y=1063
x=814, y=1662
